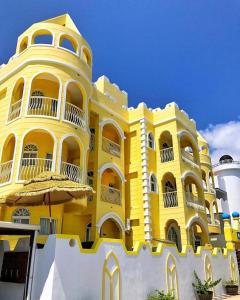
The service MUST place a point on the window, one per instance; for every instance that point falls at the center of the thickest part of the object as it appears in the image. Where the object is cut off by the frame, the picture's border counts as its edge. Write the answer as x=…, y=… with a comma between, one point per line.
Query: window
x=88, y=232
x=68, y=43
x=153, y=184
x=30, y=154
x=150, y=141
x=21, y=215
x=45, y=226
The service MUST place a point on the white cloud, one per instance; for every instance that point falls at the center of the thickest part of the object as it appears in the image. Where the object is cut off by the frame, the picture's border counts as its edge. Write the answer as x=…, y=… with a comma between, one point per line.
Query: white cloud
x=223, y=139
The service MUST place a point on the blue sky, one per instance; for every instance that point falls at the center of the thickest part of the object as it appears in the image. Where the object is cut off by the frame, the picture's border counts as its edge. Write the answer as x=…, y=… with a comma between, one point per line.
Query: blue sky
x=159, y=51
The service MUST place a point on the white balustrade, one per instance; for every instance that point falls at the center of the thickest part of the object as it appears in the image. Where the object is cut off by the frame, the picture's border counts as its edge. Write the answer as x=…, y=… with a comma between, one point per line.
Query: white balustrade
x=166, y=154
x=194, y=202
x=43, y=106
x=5, y=171
x=74, y=115
x=111, y=147
x=110, y=194
x=31, y=167
x=188, y=156
x=170, y=199
x=73, y=172
x=15, y=110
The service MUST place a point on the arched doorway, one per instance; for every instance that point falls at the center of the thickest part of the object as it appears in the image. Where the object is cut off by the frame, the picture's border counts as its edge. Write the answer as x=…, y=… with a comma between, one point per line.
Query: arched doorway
x=16, y=100
x=71, y=159
x=74, y=112
x=166, y=147
x=44, y=96
x=173, y=233
x=110, y=229
x=7, y=159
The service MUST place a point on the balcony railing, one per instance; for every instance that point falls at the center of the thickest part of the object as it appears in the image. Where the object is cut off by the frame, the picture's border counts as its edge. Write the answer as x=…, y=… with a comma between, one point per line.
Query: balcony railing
x=43, y=106
x=15, y=110
x=74, y=115
x=166, y=154
x=110, y=195
x=170, y=199
x=194, y=202
x=73, y=172
x=188, y=156
x=31, y=167
x=5, y=171
x=111, y=147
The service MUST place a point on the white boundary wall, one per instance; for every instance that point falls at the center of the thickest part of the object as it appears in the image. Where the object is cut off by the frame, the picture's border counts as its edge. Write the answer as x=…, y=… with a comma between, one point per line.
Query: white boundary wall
x=64, y=272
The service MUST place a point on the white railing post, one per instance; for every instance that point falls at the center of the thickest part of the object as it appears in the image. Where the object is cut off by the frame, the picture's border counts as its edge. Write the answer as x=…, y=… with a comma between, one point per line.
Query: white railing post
x=31, y=167
x=188, y=156
x=5, y=171
x=110, y=194
x=111, y=147
x=73, y=172
x=74, y=115
x=166, y=154
x=43, y=106
x=15, y=110
x=170, y=199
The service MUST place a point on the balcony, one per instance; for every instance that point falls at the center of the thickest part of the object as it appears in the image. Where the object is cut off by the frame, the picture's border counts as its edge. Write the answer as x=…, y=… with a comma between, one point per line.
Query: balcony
x=31, y=167
x=5, y=171
x=170, y=199
x=75, y=115
x=15, y=110
x=43, y=106
x=110, y=195
x=194, y=202
x=111, y=147
x=73, y=172
x=167, y=154
x=188, y=156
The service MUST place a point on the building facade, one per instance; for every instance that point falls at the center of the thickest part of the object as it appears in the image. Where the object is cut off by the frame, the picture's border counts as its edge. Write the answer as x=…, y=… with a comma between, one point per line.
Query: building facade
x=150, y=168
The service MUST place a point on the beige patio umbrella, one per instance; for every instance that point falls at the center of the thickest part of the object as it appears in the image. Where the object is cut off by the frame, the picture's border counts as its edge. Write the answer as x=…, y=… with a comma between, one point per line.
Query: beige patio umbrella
x=48, y=188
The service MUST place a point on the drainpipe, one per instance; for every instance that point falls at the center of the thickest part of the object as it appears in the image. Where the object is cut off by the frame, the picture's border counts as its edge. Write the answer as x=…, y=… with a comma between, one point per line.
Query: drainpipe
x=145, y=182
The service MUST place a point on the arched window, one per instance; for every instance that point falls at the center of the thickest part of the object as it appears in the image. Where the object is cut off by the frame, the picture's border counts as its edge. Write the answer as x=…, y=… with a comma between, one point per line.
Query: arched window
x=21, y=215
x=172, y=280
x=30, y=153
x=88, y=232
x=233, y=268
x=42, y=37
x=68, y=43
x=86, y=56
x=150, y=141
x=111, y=278
x=174, y=235
x=153, y=183
x=208, y=268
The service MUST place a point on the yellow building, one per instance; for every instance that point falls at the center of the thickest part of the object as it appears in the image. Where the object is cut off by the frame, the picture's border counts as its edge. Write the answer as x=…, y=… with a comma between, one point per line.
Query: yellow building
x=150, y=168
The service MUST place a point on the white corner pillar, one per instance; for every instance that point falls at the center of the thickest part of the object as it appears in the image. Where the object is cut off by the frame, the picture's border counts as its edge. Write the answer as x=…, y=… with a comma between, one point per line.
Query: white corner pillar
x=145, y=182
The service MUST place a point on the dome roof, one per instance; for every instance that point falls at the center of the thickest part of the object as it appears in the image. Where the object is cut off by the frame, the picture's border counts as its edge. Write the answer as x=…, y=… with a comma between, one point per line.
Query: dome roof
x=225, y=216
x=235, y=214
x=225, y=158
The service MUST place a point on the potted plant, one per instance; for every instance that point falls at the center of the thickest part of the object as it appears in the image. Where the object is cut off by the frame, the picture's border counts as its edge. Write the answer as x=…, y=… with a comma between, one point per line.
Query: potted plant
x=203, y=289
x=160, y=295
x=231, y=287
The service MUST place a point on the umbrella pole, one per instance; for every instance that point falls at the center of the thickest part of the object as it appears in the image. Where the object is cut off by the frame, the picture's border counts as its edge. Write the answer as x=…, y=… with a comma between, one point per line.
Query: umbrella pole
x=50, y=213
